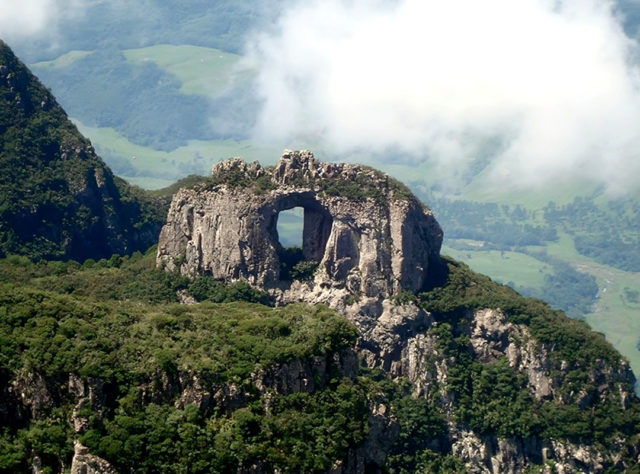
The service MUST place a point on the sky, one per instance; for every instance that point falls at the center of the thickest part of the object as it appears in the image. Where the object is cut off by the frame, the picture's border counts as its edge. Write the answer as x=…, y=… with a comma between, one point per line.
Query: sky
x=545, y=88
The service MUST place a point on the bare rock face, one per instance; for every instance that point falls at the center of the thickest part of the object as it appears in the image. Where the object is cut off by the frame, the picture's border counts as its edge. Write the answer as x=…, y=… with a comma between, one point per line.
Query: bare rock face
x=364, y=229
x=86, y=463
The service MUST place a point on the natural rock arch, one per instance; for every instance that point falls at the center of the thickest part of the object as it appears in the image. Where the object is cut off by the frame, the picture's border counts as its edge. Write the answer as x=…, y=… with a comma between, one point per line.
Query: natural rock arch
x=317, y=223
x=370, y=235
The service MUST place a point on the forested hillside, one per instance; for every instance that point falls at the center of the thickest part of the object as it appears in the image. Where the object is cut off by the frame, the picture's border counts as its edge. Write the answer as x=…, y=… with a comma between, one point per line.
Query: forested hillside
x=57, y=197
x=106, y=359
x=103, y=353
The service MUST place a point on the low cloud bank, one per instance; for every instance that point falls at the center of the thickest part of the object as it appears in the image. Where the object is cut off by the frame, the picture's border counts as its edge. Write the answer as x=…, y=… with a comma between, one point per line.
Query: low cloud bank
x=21, y=20
x=545, y=88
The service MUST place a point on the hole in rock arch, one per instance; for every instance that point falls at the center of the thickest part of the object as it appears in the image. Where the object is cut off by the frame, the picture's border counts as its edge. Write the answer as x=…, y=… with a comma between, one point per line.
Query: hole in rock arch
x=290, y=226
x=303, y=228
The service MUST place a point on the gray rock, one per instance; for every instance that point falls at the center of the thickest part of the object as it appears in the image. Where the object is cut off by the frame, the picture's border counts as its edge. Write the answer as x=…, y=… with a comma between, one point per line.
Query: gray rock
x=359, y=224
x=373, y=240
x=86, y=463
x=371, y=237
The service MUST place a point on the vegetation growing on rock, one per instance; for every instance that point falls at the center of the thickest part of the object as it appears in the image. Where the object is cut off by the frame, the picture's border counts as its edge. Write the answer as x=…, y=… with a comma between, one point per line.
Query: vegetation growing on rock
x=466, y=375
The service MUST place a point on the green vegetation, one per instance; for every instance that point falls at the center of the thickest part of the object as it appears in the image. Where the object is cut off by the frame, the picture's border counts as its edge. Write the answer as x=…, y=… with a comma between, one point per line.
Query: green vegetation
x=57, y=199
x=176, y=38
x=566, y=288
x=422, y=431
x=293, y=266
x=607, y=233
x=205, y=288
x=152, y=168
x=63, y=61
x=52, y=307
x=504, y=266
x=61, y=318
x=201, y=71
x=164, y=118
x=492, y=398
x=299, y=433
x=366, y=184
x=500, y=227
x=116, y=321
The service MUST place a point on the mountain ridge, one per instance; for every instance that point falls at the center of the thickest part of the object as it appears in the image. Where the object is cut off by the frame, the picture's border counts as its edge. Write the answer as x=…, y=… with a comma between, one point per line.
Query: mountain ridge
x=58, y=199
x=474, y=349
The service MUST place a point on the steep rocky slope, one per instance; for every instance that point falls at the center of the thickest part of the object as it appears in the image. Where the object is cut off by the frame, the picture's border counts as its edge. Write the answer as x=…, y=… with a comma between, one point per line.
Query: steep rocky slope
x=57, y=197
x=518, y=384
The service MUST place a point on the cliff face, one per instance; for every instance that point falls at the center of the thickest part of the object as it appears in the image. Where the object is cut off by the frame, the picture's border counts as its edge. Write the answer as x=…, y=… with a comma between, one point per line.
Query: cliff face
x=368, y=233
x=372, y=240
x=57, y=197
x=503, y=373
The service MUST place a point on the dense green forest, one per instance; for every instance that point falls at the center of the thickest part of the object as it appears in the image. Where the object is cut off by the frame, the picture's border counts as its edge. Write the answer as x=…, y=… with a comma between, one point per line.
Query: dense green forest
x=117, y=321
x=96, y=320
x=114, y=320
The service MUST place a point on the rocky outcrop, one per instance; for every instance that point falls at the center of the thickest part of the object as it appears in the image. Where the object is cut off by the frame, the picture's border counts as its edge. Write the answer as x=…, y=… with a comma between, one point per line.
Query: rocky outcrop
x=493, y=338
x=376, y=245
x=86, y=463
x=369, y=235
x=372, y=239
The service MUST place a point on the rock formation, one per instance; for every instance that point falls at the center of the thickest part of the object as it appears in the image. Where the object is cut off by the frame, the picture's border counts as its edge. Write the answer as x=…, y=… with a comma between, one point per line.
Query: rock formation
x=370, y=236
x=376, y=246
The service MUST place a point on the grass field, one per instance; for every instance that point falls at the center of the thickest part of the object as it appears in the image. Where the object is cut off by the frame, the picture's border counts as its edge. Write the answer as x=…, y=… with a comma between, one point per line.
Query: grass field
x=532, y=198
x=503, y=267
x=202, y=71
x=62, y=61
x=156, y=169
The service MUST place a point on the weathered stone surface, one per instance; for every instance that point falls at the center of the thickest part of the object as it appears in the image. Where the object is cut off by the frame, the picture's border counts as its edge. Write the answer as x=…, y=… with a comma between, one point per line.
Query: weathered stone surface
x=360, y=225
x=87, y=463
x=371, y=236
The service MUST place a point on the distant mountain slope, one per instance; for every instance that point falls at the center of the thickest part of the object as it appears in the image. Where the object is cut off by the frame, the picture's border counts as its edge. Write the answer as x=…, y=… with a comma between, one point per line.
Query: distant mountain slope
x=57, y=198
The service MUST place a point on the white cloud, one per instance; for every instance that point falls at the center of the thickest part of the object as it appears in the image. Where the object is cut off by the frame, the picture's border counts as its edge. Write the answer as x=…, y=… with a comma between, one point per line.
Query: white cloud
x=21, y=19
x=552, y=79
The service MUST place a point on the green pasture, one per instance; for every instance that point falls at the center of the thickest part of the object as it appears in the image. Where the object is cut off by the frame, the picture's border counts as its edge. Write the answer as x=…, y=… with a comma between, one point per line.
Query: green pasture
x=62, y=61
x=534, y=197
x=202, y=71
x=503, y=266
x=155, y=169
